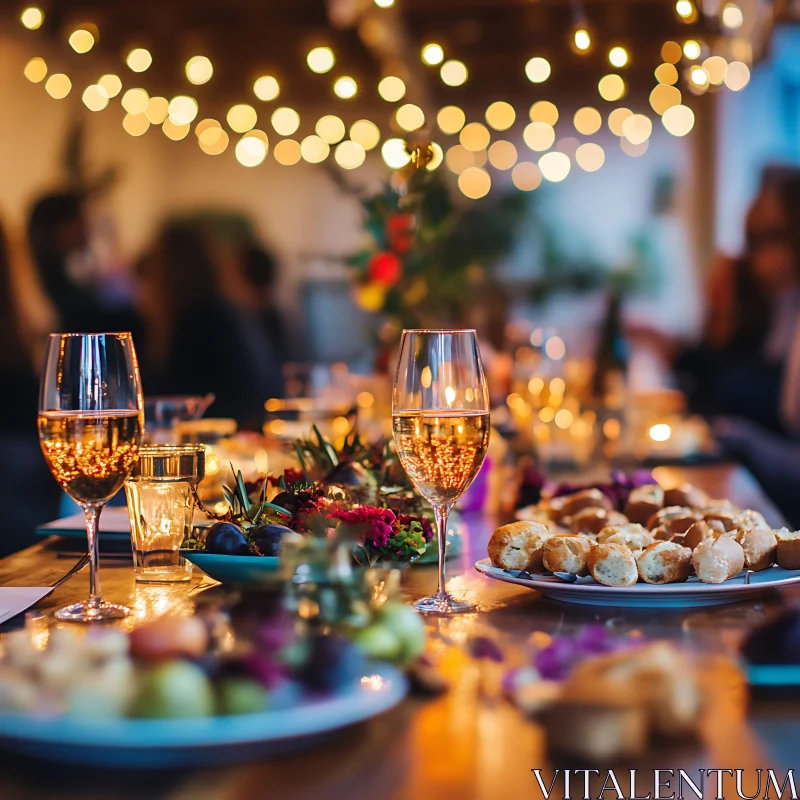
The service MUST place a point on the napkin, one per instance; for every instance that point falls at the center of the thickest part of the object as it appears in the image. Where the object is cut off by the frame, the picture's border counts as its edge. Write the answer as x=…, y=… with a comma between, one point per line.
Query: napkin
x=16, y=599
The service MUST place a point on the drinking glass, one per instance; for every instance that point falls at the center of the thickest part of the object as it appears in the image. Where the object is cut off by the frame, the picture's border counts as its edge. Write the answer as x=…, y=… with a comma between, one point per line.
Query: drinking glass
x=440, y=418
x=90, y=426
x=161, y=494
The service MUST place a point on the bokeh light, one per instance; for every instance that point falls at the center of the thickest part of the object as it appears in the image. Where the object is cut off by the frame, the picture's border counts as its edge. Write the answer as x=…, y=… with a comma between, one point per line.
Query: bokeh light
x=633, y=150
x=502, y=155
x=454, y=72
x=345, y=87
x=330, y=129
x=475, y=136
x=678, y=120
x=544, y=111
x=450, y=119
x=199, y=70
x=737, y=76
x=366, y=133
x=617, y=118
x=587, y=120
x=716, y=67
x=112, y=84
x=582, y=40
x=349, y=154
x=685, y=9
x=32, y=18
x=135, y=101
x=175, y=131
x=266, y=88
x=526, y=176
x=314, y=150
x=139, y=59
x=391, y=89
x=36, y=70
x=287, y=152
x=320, y=60
x=618, y=57
x=410, y=117
x=590, y=157
x=458, y=158
x=432, y=54
x=95, y=98
x=666, y=73
x=213, y=141
x=157, y=110
x=538, y=69
x=698, y=76
x=539, y=136
x=251, y=151
x=555, y=167
x=663, y=97
x=474, y=182
x=671, y=52
x=285, y=121
x=81, y=41
x=732, y=16
x=241, y=118
x=136, y=124
x=637, y=128
x=691, y=49
x=182, y=110
x=611, y=87
x=393, y=152
x=500, y=115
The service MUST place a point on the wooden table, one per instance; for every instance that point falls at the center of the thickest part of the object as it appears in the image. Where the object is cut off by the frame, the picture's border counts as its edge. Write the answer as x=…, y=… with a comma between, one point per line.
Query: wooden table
x=469, y=743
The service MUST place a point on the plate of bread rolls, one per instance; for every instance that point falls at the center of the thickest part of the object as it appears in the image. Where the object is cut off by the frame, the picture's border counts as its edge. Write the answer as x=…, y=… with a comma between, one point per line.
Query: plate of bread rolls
x=664, y=548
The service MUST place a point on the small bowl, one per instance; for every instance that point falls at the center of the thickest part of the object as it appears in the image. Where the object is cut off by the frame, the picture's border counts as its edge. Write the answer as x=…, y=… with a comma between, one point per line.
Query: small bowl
x=240, y=570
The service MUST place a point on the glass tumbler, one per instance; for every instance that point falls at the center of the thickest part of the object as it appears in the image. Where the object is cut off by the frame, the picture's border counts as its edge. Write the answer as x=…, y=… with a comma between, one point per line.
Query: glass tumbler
x=161, y=499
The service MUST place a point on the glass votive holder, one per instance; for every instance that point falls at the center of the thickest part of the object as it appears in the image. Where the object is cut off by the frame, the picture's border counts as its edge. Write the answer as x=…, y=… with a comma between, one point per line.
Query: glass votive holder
x=161, y=496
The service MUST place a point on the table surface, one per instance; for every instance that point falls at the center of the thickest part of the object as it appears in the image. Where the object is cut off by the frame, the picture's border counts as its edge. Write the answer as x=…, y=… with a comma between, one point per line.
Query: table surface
x=469, y=743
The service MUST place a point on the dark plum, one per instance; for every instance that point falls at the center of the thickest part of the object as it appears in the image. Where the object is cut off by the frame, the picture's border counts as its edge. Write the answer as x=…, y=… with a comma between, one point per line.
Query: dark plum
x=267, y=538
x=226, y=539
x=333, y=662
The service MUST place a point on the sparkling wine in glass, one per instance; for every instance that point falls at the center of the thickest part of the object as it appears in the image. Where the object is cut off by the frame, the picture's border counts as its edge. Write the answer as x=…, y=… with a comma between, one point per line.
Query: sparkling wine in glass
x=440, y=418
x=90, y=426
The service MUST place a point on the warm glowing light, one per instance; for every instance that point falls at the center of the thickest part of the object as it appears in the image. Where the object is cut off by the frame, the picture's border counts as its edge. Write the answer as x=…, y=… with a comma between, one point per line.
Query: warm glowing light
x=678, y=120
x=453, y=72
x=582, y=39
x=175, y=131
x=450, y=119
x=135, y=101
x=320, y=60
x=698, y=76
x=616, y=119
x=500, y=115
x=563, y=418
x=285, y=121
x=691, y=49
x=242, y=118
x=349, y=154
x=287, y=152
x=157, y=110
x=366, y=133
x=537, y=69
x=32, y=18
x=391, y=89
x=539, y=136
x=365, y=400
x=314, y=150
x=547, y=414
x=139, y=59
x=345, y=87
x=410, y=117
x=432, y=54
x=95, y=98
x=535, y=385
x=111, y=83
x=663, y=97
x=204, y=125
x=330, y=129
x=618, y=57
x=737, y=76
x=557, y=386
x=612, y=428
x=526, y=176
x=474, y=183
x=250, y=151
x=199, y=70
x=544, y=111
x=475, y=136
x=502, y=155
x=213, y=140
x=716, y=67
x=136, y=124
x=611, y=87
x=81, y=41
x=684, y=9
x=458, y=158
x=58, y=86
x=732, y=16
x=384, y=3
x=438, y=157
x=555, y=167
x=182, y=110
x=587, y=120
x=426, y=378
x=660, y=432
x=393, y=152
x=36, y=70
x=633, y=150
x=555, y=347
x=637, y=128
x=266, y=88
x=590, y=157
x=667, y=74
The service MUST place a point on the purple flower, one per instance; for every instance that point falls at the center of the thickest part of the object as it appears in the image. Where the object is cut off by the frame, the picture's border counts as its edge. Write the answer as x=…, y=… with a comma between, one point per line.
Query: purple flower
x=483, y=647
x=376, y=522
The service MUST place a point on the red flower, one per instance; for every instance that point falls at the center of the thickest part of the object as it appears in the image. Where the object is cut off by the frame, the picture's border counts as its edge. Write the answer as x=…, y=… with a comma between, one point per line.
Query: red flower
x=400, y=232
x=377, y=522
x=385, y=268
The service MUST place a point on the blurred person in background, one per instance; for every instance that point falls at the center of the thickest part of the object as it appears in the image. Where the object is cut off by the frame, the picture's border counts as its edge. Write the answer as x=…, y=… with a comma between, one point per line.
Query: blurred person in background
x=28, y=494
x=198, y=339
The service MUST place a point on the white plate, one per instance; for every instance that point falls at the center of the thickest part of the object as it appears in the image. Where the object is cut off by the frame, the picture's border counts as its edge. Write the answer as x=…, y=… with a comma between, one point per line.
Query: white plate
x=182, y=742
x=643, y=595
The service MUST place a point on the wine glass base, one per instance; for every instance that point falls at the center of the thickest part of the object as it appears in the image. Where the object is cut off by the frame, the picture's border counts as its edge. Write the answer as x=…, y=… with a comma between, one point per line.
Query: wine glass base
x=442, y=605
x=89, y=611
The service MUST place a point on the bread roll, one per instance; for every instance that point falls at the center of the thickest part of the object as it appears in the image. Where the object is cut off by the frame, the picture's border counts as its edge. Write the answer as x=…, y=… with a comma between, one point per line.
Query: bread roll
x=567, y=554
x=633, y=540
x=593, y=520
x=749, y=520
x=571, y=504
x=725, y=518
x=686, y=495
x=643, y=502
x=718, y=560
x=611, y=530
x=613, y=565
x=760, y=547
x=788, y=548
x=662, y=533
x=676, y=519
x=700, y=531
x=518, y=545
x=664, y=562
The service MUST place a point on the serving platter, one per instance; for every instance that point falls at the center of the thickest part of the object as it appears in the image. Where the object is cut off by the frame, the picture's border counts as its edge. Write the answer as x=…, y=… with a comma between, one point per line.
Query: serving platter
x=239, y=570
x=692, y=593
x=207, y=740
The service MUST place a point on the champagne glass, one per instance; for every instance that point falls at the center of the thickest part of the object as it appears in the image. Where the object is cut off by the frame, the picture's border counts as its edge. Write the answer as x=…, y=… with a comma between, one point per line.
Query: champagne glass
x=91, y=417
x=440, y=418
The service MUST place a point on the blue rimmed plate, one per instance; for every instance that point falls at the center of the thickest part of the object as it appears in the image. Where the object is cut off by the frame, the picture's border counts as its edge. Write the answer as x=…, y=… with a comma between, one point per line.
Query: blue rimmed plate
x=239, y=570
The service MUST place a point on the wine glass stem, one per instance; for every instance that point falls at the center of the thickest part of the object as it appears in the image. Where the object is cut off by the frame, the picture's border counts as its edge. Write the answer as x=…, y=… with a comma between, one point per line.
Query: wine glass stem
x=92, y=518
x=441, y=513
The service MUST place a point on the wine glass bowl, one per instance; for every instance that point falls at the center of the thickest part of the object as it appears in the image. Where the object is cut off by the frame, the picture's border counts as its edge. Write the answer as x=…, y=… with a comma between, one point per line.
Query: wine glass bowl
x=90, y=427
x=440, y=419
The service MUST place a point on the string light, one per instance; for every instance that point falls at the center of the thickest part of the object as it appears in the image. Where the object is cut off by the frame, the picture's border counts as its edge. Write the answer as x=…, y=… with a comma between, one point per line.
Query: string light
x=732, y=16
x=698, y=76
x=287, y=152
x=611, y=87
x=251, y=151
x=538, y=69
x=539, y=136
x=136, y=124
x=182, y=110
x=450, y=119
x=266, y=88
x=345, y=87
x=637, y=128
x=458, y=158
x=314, y=150
x=475, y=137
x=111, y=83
x=633, y=150
x=526, y=176
x=330, y=129
x=199, y=70
x=285, y=121
x=502, y=155
x=678, y=120
x=410, y=117
x=320, y=60
x=175, y=131
x=582, y=40
x=663, y=97
x=204, y=125
x=618, y=56
x=393, y=152
x=590, y=157
x=139, y=59
x=95, y=98
x=737, y=76
x=453, y=73
x=384, y=3
x=32, y=18
x=474, y=183
x=157, y=110
x=716, y=67
x=366, y=133
x=555, y=167
x=241, y=118
x=685, y=10
x=135, y=101
x=36, y=70
x=587, y=120
x=671, y=52
x=501, y=115
x=568, y=145
x=81, y=41
x=544, y=111
x=617, y=118
x=432, y=54
x=349, y=154
x=691, y=49
x=391, y=89
x=666, y=73
x=213, y=141
x=438, y=157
